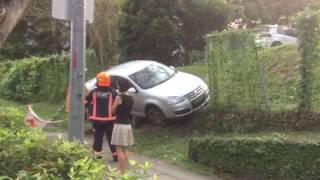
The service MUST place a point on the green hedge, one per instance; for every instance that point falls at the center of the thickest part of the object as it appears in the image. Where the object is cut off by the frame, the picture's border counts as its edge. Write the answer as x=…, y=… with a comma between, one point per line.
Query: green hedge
x=39, y=79
x=270, y=157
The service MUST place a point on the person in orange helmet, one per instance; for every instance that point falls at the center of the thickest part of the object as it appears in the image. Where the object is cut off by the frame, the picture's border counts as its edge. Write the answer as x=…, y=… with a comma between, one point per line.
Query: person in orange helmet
x=99, y=105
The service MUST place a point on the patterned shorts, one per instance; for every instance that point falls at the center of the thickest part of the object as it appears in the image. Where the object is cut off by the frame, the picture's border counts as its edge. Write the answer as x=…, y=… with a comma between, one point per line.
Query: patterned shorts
x=122, y=135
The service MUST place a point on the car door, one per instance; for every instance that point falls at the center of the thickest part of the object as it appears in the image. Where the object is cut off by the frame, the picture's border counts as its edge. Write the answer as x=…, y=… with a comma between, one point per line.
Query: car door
x=138, y=98
x=286, y=35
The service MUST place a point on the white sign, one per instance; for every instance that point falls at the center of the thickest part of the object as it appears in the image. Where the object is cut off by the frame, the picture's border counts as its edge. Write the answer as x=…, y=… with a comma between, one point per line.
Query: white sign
x=61, y=9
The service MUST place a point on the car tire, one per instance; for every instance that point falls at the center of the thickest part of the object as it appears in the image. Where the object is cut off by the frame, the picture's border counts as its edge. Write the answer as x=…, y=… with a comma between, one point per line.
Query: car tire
x=155, y=116
x=138, y=122
x=276, y=43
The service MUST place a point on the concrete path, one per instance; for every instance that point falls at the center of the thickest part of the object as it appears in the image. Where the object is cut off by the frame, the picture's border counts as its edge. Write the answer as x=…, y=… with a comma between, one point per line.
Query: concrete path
x=167, y=171
x=163, y=170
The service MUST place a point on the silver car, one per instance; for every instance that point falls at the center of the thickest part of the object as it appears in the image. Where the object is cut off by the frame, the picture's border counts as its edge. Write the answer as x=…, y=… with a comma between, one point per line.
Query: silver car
x=274, y=35
x=160, y=92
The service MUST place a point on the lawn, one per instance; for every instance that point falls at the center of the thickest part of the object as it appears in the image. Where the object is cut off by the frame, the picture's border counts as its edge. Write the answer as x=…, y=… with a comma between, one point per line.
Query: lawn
x=43, y=109
x=169, y=144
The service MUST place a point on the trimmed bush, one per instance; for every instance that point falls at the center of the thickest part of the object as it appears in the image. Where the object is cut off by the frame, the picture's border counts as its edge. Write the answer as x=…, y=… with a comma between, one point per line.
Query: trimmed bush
x=270, y=157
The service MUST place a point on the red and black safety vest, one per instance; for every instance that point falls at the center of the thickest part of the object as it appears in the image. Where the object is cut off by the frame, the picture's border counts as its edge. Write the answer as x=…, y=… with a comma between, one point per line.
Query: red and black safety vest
x=101, y=107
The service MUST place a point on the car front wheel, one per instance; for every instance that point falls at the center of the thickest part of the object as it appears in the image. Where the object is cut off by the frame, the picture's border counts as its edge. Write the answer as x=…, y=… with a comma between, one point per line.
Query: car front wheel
x=156, y=116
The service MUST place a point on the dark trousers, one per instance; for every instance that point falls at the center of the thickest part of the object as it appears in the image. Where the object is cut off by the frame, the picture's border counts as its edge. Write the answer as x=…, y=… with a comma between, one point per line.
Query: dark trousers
x=99, y=130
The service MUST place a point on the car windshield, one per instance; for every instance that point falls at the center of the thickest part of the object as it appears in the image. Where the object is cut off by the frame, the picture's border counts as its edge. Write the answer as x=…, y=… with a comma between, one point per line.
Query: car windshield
x=287, y=31
x=152, y=75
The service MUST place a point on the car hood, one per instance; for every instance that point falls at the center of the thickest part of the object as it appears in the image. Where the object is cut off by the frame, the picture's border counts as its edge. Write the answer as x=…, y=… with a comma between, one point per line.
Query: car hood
x=179, y=85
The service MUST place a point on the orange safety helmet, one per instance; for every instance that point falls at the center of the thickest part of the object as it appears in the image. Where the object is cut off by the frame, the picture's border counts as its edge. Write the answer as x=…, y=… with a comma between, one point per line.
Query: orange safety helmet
x=103, y=79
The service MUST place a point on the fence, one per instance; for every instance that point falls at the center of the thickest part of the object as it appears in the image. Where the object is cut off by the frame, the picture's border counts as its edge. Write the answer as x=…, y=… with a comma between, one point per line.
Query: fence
x=269, y=88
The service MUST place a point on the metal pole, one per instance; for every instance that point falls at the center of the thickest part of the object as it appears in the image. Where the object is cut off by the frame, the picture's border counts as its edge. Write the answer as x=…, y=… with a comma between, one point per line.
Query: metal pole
x=77, y=73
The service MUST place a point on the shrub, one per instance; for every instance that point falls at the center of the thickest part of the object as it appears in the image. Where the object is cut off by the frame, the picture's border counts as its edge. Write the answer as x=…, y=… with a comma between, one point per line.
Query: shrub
x=11, y=118
x=270, y=157
x=28, y=154
x=4, y=68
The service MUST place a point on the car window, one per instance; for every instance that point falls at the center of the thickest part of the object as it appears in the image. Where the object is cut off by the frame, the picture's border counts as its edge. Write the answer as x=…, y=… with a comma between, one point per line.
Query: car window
x=152, y=75
x=262, y=29
x=262, y=35
x=114, y=80
x=287, y=31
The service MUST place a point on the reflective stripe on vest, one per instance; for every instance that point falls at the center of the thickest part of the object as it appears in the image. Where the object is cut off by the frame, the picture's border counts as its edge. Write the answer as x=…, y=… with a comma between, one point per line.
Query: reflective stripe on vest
x=109, y=110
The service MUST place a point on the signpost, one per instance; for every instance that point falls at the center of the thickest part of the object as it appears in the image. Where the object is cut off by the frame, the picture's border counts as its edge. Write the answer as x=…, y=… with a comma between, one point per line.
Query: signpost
x=76, y=12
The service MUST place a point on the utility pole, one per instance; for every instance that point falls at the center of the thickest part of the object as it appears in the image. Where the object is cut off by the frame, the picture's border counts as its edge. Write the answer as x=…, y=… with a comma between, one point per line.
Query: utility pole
x=77, y=73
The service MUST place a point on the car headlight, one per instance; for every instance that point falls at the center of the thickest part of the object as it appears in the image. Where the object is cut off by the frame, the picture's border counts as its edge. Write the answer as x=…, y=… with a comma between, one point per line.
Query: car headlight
x=175, y=99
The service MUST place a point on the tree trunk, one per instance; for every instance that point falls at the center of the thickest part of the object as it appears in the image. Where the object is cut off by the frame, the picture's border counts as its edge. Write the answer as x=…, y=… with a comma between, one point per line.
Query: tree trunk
x=10, y=13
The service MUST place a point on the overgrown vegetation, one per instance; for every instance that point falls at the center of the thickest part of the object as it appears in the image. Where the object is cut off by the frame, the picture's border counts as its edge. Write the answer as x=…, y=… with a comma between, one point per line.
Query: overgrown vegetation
x=308, y=24
x=264, y=90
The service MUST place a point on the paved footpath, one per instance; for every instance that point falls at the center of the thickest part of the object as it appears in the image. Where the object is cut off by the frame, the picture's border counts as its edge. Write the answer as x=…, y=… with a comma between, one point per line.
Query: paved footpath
x=163, y=170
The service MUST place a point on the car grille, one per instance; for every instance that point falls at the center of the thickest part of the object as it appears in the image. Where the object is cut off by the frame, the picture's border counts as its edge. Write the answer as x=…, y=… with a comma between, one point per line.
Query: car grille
x=196, y=92
x=197, y=97
x=199, y=100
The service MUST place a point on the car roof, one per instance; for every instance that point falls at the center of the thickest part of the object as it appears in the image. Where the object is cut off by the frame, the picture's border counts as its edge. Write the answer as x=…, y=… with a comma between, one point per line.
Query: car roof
x=128, y=68
x=274, y=26
x=122, y=70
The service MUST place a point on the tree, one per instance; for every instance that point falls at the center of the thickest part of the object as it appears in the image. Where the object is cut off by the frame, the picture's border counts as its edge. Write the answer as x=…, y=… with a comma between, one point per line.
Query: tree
x=268, y=11
x=37, y=33
x=10, y=13
x=104, y=31
x=158, y=29
x=149, y=29
x=201, y=17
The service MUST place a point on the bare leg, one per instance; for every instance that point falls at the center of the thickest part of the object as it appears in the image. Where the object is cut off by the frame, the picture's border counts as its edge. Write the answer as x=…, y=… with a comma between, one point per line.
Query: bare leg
x=126, y=158
x=121, y=158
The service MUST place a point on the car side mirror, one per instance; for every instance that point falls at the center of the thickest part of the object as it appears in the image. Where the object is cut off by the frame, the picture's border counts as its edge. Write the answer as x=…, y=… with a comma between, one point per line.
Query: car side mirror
x=132, y=90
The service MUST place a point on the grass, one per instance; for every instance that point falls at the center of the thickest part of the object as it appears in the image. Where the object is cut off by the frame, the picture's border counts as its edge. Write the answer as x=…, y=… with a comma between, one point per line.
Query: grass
x=200, y=70
x=169, y=145
x=44, y=110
